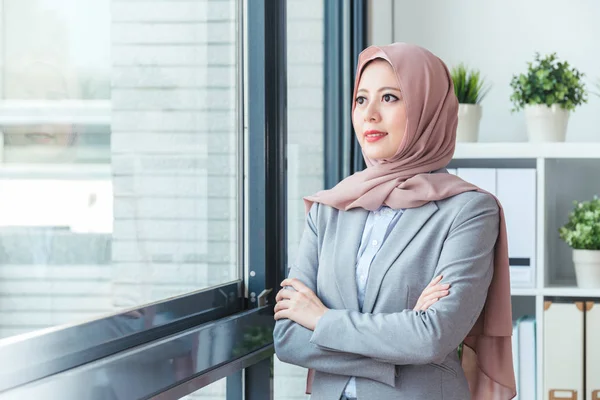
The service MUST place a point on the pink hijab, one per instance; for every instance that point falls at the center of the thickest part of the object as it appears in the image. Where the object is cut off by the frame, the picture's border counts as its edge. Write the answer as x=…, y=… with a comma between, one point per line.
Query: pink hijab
x=404, y=182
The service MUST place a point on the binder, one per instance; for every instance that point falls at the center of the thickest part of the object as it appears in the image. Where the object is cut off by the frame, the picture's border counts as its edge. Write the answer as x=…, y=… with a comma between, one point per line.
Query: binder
x=563, y=351
x=527, y=358
x=592, y=346
x=516, y=190
x=485, y=178
x=515, y=356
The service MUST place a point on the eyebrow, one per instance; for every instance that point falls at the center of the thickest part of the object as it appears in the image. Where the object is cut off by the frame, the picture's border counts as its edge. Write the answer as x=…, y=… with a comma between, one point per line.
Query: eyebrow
x=381, y=89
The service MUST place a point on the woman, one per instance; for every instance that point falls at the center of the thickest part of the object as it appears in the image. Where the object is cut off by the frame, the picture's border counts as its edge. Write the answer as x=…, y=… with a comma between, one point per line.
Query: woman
x=373, y=242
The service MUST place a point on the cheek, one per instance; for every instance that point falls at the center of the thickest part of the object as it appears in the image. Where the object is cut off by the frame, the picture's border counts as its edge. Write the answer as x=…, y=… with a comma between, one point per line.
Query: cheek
x=398, y=118
x=357, y=122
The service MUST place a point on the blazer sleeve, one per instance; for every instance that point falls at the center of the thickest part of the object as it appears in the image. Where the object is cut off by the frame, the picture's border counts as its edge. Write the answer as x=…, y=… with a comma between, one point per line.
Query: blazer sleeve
x=292, y=341
x=422, y=337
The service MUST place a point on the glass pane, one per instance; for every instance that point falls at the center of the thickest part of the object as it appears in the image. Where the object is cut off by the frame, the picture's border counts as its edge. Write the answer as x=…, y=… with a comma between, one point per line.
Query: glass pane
x=55, y=50
x=118, y=155
x=215, y=391
x=305, y=31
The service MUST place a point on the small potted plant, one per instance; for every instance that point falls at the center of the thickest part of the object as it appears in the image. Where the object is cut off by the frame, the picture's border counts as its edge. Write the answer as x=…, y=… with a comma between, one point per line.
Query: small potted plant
x=582, y=234
x=470, y=89
x=548, y=92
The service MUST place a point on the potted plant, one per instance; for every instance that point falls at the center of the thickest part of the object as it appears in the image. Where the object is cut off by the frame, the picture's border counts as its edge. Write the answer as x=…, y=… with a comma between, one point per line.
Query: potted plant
x=582, y=234
x=470, y=89
x=548, y=92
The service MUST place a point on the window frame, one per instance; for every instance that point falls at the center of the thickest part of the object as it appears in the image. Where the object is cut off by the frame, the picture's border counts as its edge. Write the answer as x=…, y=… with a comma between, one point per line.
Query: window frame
x=229, y=308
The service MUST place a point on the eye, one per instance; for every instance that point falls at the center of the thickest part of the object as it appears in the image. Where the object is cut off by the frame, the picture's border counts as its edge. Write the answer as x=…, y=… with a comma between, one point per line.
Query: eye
x=389, y=98
x=360, y=100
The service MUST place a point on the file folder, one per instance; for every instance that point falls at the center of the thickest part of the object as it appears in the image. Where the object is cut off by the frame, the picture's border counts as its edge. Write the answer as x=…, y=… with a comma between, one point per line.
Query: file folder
x=516, y=190
x=527, y=358
x=563, y=350
x=485, y=178
x=515, y=355
x=592, y=347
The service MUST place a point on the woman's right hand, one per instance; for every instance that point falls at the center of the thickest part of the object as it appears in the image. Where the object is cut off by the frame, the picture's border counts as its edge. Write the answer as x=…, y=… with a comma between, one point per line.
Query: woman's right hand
x=432, y=293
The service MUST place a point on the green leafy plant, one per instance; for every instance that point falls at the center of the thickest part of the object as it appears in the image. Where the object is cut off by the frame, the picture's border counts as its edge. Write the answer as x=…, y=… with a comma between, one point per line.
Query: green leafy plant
x=469, y=86
x=582, y=232
x=253, y=338
x=548, y=81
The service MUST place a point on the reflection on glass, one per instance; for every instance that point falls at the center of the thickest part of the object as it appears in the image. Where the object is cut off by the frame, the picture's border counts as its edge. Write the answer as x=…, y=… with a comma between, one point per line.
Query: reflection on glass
x=215, y=391
x=118, y=155
x=305, y=142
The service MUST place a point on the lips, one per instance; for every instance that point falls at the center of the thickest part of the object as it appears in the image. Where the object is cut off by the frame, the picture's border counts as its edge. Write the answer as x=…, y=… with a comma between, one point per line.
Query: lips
x=374, y=135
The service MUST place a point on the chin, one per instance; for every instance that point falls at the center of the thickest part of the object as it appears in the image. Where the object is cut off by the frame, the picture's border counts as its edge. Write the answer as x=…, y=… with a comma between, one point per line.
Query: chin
x=378, y=155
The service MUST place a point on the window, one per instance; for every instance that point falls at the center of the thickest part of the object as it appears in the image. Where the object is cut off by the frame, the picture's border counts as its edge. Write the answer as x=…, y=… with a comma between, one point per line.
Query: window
x=148, y=209
x=119, y=166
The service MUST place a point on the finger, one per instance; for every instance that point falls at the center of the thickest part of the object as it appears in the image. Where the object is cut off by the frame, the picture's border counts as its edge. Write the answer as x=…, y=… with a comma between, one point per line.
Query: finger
x=436, y=288
x=436, y=295
x=432, y=286
x=284, y=294
x=422, y=300
x=282, y=305
x=435, y=280
x=282, y=314
x=428, y=304
x=296, y=284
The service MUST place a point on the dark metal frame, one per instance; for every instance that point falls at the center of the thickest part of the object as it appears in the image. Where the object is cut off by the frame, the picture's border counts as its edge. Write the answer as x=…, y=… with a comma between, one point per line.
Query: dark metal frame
x=334, y=115
x=50, y=353
x=267, y=148
x=214, y=322
x=345, y=38
x=359, y=43
x=222, y=345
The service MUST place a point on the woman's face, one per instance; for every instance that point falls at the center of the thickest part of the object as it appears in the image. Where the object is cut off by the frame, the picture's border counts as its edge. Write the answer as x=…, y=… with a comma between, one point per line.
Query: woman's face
x=379, y=117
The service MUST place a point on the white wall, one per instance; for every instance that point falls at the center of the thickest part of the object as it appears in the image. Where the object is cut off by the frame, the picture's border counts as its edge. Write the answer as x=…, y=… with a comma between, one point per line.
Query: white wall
x=499, y=37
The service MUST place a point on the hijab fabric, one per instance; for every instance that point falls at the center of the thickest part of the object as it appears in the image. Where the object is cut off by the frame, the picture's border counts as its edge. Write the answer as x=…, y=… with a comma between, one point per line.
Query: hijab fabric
x=404, y=181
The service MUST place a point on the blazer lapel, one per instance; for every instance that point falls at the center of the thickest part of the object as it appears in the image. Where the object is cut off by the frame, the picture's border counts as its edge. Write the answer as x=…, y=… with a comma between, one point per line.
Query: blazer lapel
x=350, y=228
x=407, y=227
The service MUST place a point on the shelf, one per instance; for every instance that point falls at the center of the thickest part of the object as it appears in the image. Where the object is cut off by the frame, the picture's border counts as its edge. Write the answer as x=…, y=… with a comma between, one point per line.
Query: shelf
x=559, y=291
x=500, y=150
x=524, y=291
x=571, y=292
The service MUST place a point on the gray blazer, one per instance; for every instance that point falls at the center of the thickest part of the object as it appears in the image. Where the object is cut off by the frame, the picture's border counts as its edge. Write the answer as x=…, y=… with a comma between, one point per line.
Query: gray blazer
x=394, y=352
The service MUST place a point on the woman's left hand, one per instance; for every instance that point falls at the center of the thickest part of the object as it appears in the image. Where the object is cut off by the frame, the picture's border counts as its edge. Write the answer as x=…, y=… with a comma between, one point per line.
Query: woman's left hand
x=301, y=306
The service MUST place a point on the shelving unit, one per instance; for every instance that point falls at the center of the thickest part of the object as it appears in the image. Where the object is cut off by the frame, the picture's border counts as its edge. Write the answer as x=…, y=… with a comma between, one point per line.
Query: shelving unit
x=499, y=150
x=564, y=172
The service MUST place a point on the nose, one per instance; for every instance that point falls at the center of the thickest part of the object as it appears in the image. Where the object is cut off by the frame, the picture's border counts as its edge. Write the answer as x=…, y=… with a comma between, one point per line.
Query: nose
x=372, y=112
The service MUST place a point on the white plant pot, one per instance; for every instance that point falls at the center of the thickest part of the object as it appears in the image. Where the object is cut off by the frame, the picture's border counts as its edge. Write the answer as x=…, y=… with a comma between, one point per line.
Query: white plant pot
x=546, y=124
x=587, y=268
x=469, y=116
